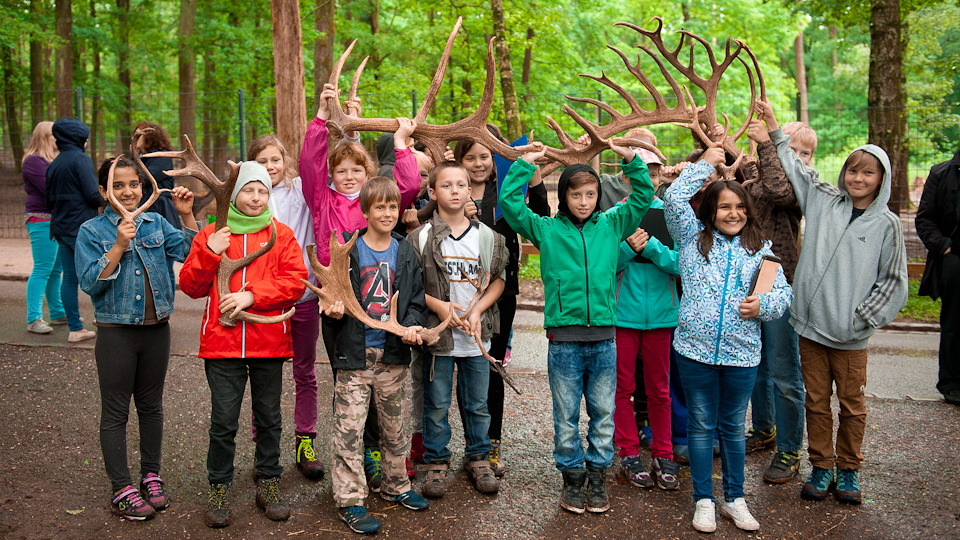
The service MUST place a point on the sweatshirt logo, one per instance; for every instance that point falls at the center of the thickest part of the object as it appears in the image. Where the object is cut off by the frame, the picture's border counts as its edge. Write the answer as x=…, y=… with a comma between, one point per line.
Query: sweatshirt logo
x=862, y=239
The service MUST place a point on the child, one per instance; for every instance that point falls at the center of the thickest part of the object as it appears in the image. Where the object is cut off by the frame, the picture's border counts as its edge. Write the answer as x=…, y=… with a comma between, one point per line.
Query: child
x=447, y=245
x=289, y=206
x=372, y=365
x=268, y=286
x=718, y=335
x=851, y=279
x=124, y=270
x=579, y=315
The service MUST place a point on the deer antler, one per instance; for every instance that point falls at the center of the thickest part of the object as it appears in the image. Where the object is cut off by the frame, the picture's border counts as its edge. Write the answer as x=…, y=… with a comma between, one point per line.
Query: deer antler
x=229, y=267
x=727, y=171
x=481, y=284
x=112, y=199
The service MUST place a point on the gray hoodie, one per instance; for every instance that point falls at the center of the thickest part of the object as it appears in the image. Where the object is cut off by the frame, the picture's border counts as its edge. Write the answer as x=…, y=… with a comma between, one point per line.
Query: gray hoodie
x=852, y=276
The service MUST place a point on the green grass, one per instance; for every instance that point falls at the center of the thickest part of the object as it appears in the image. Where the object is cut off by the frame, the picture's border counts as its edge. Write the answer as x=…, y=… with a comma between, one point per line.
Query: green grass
x=531, y=270
x=920, y=308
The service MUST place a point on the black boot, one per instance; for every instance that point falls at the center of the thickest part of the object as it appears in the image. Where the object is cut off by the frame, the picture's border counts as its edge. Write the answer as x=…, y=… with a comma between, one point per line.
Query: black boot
x=571, y=498
x=597, y=501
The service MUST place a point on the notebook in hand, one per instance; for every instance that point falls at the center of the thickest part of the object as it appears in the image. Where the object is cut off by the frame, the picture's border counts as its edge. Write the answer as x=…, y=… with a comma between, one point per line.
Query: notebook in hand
x=655, y=224
x=765, y=276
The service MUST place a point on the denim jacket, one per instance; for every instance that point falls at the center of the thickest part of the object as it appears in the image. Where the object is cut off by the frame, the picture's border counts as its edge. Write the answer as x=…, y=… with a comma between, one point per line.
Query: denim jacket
x=118, y=298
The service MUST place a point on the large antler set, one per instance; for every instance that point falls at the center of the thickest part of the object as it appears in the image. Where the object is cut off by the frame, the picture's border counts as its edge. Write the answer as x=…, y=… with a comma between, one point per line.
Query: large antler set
x=473, y=128
x=222, y=190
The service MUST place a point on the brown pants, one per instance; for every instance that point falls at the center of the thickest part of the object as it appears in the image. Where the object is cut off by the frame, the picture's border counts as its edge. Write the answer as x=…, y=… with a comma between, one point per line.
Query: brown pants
x=821, y=367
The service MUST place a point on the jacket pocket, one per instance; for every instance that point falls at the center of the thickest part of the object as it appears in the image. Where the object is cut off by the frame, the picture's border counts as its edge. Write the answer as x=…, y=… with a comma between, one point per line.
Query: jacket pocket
x=559, y=302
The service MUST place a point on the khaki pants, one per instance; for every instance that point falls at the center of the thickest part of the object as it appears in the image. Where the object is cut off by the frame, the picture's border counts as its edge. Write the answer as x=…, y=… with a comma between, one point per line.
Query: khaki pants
x=821, y=367
x=384, y=384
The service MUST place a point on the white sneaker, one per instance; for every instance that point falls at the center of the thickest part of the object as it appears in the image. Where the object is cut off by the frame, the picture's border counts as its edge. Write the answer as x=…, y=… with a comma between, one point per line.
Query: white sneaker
x=740, y=514
x=705, y=518
x=39, y=326
x=81, y=335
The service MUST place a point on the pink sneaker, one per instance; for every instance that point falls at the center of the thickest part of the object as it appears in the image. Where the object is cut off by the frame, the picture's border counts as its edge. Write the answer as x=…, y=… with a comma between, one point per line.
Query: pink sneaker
x=151, y=489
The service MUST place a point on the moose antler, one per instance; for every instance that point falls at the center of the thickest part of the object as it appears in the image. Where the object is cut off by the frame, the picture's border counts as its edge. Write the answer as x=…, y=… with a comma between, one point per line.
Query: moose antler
x=335, y=285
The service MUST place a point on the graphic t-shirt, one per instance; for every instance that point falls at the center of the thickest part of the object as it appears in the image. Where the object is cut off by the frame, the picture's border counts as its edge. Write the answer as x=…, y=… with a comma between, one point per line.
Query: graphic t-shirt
x=377, y=269
x=463, y=251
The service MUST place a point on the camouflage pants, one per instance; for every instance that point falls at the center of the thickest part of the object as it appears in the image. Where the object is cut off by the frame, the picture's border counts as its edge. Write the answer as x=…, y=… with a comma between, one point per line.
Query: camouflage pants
x=416, y=389
x=355, y=388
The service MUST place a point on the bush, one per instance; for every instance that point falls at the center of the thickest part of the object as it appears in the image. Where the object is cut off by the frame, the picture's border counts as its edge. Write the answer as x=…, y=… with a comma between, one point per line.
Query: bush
x=920, y=308
x=531, y=270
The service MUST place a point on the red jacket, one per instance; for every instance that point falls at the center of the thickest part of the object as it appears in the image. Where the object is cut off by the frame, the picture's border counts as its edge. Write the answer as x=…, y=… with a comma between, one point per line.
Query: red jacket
x=274, y=280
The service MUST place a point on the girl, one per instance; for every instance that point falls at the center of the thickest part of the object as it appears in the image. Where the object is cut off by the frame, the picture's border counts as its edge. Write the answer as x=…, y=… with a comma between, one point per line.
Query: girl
x=289, y=206
x=268, y=286
x=45, y=277
x=124, y=270
x=153, y=138
x=718, y=335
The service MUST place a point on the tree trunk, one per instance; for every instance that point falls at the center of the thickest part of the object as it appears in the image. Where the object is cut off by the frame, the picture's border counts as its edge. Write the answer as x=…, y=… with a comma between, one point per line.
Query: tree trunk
x=527, y=57
x=801, y=74
x=64, y=70
x=123, y=67
x=886, y=95
x=324, y=21
x=374, y=17
x=288, y=75
x=833, y=54
x=96, y=118
x=511, y=108
x=36, y=71
x=10, y=107
x=186, y=68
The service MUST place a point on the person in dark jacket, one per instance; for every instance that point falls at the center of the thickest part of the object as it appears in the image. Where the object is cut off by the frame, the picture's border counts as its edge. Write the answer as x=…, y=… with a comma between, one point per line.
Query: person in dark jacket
x=153, y=138
x=937, y=225
x=72, y=197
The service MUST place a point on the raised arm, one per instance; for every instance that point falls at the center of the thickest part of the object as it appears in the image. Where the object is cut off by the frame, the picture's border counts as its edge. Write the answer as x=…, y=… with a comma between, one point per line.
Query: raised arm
x=682, y=222
x=626, y=217
x=520, y=218
x=313, y=154
x=405, y=170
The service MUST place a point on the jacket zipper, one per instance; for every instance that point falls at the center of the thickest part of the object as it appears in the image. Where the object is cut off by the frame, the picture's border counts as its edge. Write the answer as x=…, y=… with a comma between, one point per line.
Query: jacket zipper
x=723, y=303
x=586, y=273
x=243, y=331
x=560, y=303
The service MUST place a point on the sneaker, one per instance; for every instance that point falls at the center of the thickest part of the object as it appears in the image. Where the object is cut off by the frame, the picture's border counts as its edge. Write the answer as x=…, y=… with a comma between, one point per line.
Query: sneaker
x=408, y=499
x=848, y=486
x=359, y=521
x=218, y=506
x=740, y=514
x=268, y=499
x=435, y=484
x=758, y=439
x=666, y=473
x=784, y=467
x=496, y=459
x=705, y=516
x=635, y=473
x=571, y=497
x=646, y=437
x=307, y=461
x=39, y=326
x=81, y=335
x=151, y=489
x=371, y=466
x=818, y=485
x=481, y=473
x=416, y=448
x=128, y=505
x=597, y=500
x=681, y=454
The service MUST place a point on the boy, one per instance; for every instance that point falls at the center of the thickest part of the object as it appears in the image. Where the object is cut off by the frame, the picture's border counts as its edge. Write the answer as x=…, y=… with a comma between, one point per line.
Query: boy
x=446, y=245
x=851, y=278
x=580, y=310
x=371, y=365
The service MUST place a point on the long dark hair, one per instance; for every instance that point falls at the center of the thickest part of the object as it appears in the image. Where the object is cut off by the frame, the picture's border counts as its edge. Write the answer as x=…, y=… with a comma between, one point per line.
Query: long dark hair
x=751, y=237
x=462, y=147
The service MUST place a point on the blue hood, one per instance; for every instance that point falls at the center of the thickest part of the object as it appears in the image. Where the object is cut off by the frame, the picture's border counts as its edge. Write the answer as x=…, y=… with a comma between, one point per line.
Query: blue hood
x=70, y=133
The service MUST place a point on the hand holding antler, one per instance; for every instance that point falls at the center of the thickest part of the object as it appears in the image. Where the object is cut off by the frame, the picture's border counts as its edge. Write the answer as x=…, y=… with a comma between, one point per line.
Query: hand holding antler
x=323, y=108
x=236, y=302
x=536, y=151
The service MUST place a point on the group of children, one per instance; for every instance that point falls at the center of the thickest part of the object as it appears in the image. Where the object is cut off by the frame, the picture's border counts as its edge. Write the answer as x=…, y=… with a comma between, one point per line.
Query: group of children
x=611, y=260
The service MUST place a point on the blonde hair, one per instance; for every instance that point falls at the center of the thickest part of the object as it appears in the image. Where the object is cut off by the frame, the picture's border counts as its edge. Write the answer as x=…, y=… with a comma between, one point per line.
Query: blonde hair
x=40, y=143
x=802, y=133
x=262, y=143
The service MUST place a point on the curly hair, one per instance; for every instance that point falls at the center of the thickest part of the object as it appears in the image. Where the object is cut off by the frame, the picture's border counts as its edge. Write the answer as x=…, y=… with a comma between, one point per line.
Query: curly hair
x=155, y=138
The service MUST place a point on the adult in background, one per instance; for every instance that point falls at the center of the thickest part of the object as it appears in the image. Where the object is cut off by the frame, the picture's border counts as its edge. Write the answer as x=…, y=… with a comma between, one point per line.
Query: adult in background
x=72, y=197
x=937, y=222
x=45, y=277
x=153, y=138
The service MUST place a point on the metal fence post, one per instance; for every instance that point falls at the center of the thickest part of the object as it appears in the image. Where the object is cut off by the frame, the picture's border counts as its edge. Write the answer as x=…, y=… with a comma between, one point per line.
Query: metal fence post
x=413, y=103
x=78, y=103
x=241, y=113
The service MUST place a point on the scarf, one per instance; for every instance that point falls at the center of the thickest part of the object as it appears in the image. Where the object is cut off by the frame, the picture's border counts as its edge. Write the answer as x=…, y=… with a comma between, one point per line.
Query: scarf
x=241, y=223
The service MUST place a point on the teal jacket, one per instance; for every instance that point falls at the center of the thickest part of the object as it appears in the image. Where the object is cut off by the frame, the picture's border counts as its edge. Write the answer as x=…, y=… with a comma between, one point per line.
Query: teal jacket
x=647, y=291
x=577, y=264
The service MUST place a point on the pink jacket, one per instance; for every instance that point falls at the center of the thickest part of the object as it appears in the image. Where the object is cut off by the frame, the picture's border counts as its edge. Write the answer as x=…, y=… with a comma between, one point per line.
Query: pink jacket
x=332, y=210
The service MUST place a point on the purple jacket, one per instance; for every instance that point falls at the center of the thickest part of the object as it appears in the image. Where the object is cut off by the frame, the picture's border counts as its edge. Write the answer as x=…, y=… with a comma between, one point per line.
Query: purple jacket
x=34, y=173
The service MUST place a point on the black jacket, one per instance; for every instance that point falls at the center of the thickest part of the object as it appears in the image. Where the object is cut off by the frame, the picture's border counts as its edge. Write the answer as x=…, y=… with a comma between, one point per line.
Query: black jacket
x=349, y=348
x=937, y=219
x=72, y=194
x=164, y=203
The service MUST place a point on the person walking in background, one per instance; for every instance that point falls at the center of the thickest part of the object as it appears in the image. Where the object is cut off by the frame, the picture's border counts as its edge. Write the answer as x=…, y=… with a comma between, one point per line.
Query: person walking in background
x=45, y=277
x=72, y=197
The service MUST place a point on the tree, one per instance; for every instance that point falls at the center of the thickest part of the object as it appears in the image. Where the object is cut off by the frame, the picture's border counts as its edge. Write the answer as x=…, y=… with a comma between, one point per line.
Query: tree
x=288, y=73
x=801, y=75
x=36, y=69
x=186, y=70
x=64, y=70
x=324, y=21
x=9, y=99
x=509, y=90
x=123, y=72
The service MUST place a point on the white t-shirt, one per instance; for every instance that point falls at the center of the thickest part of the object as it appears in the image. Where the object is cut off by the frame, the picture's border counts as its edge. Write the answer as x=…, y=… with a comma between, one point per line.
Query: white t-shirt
x=463, y=252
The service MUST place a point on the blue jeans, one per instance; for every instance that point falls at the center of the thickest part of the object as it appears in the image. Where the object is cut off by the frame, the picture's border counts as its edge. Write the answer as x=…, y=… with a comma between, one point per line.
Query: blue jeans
x=778, y=395
x=45, y=277
x=69, y=288
x=473, y=378
x=580, y=370
x=717, y=397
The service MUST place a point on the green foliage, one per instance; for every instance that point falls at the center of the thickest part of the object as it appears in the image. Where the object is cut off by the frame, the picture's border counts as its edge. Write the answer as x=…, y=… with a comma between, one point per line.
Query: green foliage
x=920, y=308
x=531, y=270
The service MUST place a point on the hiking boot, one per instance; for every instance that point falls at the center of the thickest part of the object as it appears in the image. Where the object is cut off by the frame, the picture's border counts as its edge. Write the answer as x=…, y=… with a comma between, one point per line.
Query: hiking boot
x=128, y=505
x=784, y=467
x=597, y=501
x=359, y=521
x=39, y=326
x=218, y=506
x=705, y=516
x=667, y=473
x=635, y=473
x=758, y=439
x=307, y=462
x=435, y=484
x=681, y=454
x=151, y=490
x=740, y=514
x=416, y=448
x=481, y=472
x=371, y=466
x=495, y=458
x=408, y=499
x=848, y=486
x=268, y=499
x=818, y=485
x=571, y=497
